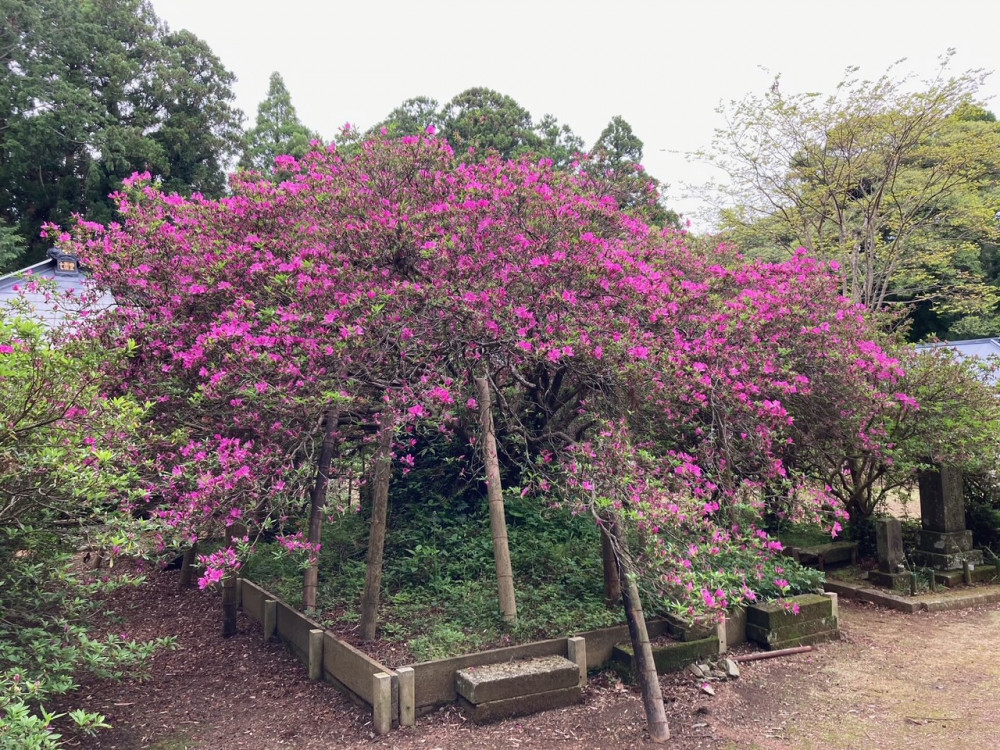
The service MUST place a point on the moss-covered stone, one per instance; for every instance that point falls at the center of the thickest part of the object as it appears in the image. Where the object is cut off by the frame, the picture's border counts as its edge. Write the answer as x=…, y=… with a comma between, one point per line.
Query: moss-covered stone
x=687, y=630
x=790, y=632
x=772, y=615
x=671, y=657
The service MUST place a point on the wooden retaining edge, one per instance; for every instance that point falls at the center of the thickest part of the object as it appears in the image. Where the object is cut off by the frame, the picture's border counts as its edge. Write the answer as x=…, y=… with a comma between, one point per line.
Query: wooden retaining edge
x=366, y=681
x=423, y=686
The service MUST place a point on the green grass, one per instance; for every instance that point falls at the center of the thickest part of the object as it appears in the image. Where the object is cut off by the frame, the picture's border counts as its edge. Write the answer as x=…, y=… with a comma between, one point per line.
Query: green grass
x=439, y=578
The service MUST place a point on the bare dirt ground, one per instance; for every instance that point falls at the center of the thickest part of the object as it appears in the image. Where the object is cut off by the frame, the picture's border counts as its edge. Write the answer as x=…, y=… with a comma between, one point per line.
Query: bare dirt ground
x=918, y=682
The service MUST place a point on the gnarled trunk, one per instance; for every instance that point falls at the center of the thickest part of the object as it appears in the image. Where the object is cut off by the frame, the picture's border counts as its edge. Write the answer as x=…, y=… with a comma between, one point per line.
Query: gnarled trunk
x=317, y=502
x=376, y=536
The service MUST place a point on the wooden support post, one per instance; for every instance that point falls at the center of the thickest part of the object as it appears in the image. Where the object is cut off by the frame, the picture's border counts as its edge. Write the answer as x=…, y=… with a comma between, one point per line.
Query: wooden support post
x=381, y=702
x=576, y=650
x=407, y=697
x=834, y=606
x=913, y=583
x=498, y=520
x=966, y=572
x=270, y=620
x=315, y=654
x=239, y=593
x=722, y=635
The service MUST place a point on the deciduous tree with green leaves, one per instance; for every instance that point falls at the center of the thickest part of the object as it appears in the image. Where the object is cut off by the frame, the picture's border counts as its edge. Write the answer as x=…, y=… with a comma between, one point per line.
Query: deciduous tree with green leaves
x=894, y=178
x=66, y=462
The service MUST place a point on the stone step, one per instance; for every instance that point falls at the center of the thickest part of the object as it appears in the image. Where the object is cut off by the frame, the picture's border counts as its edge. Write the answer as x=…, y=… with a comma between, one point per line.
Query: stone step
x=805, y=640
x=980, y=574
x=521, y=705
x=822, y=555
x=513, y=679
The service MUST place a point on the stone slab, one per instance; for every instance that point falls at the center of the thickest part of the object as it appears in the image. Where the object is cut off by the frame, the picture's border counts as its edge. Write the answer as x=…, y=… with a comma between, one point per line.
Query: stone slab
x=951, y=561
x=933, y=602
x=672, y=657
x=435, y=680
x=736, y=627
x=497, y=682
x=979, y=573
x=779, y=637
x=773, y=615
x=894, y=581
x=805, y=640
x=482, y=713
x=688, y=630
x=889, y=543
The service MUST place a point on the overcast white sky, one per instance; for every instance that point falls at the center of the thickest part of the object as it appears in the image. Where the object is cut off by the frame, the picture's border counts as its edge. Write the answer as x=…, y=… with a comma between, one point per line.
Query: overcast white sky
x=663, y=65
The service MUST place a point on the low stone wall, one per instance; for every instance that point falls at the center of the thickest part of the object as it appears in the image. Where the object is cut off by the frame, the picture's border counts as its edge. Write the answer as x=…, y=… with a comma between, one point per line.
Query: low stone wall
x=776, y=625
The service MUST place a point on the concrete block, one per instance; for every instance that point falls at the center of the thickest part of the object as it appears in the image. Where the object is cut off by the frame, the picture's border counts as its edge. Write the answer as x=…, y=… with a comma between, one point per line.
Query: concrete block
x=497, y=682
x=788, y=635
x=772, y=615
x=381, y=702
x=672, y=657
x=736, y=627
x=521, y=705
x=834, y=605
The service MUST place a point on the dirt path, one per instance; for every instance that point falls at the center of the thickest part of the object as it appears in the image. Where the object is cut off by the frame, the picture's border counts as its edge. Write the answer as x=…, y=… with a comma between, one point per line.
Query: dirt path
x=895, y=681
x=913, y=682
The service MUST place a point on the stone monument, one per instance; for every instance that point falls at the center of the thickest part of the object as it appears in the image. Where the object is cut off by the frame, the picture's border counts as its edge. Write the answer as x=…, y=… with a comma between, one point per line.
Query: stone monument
x=945, y=543
x=891, y=571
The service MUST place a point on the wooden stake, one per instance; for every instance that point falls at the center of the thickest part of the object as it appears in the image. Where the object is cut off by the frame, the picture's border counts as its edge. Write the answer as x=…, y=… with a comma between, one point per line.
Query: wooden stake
x=187, y=565
x=498, y=521
x=649, y=680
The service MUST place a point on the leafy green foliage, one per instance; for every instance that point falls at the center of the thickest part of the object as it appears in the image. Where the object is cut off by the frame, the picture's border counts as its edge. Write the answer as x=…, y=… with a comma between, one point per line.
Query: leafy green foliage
x=897, y=182
x=93, y=91
x=63, y=469
x=440, y=576
x=982, y=510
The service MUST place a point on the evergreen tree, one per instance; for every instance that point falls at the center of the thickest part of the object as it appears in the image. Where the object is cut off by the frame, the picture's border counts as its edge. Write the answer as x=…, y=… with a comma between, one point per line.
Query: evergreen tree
x=277, y=130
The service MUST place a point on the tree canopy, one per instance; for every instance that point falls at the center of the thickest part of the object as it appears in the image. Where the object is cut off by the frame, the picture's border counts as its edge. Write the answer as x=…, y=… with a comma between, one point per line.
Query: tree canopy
x=895, y=179
x=91, y=92
x=276, y=131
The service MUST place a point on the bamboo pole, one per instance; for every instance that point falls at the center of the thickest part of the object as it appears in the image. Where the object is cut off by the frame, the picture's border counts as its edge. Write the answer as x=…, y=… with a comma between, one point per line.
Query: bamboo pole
x=649, y=680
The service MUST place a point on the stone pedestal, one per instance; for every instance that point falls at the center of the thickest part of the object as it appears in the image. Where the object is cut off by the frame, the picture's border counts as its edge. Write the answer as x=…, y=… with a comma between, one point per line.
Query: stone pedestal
x=945, y=543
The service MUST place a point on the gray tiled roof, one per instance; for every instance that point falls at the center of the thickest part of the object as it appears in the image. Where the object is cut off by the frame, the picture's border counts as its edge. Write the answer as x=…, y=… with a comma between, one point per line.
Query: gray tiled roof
x=978, y=348
x=12, y=288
